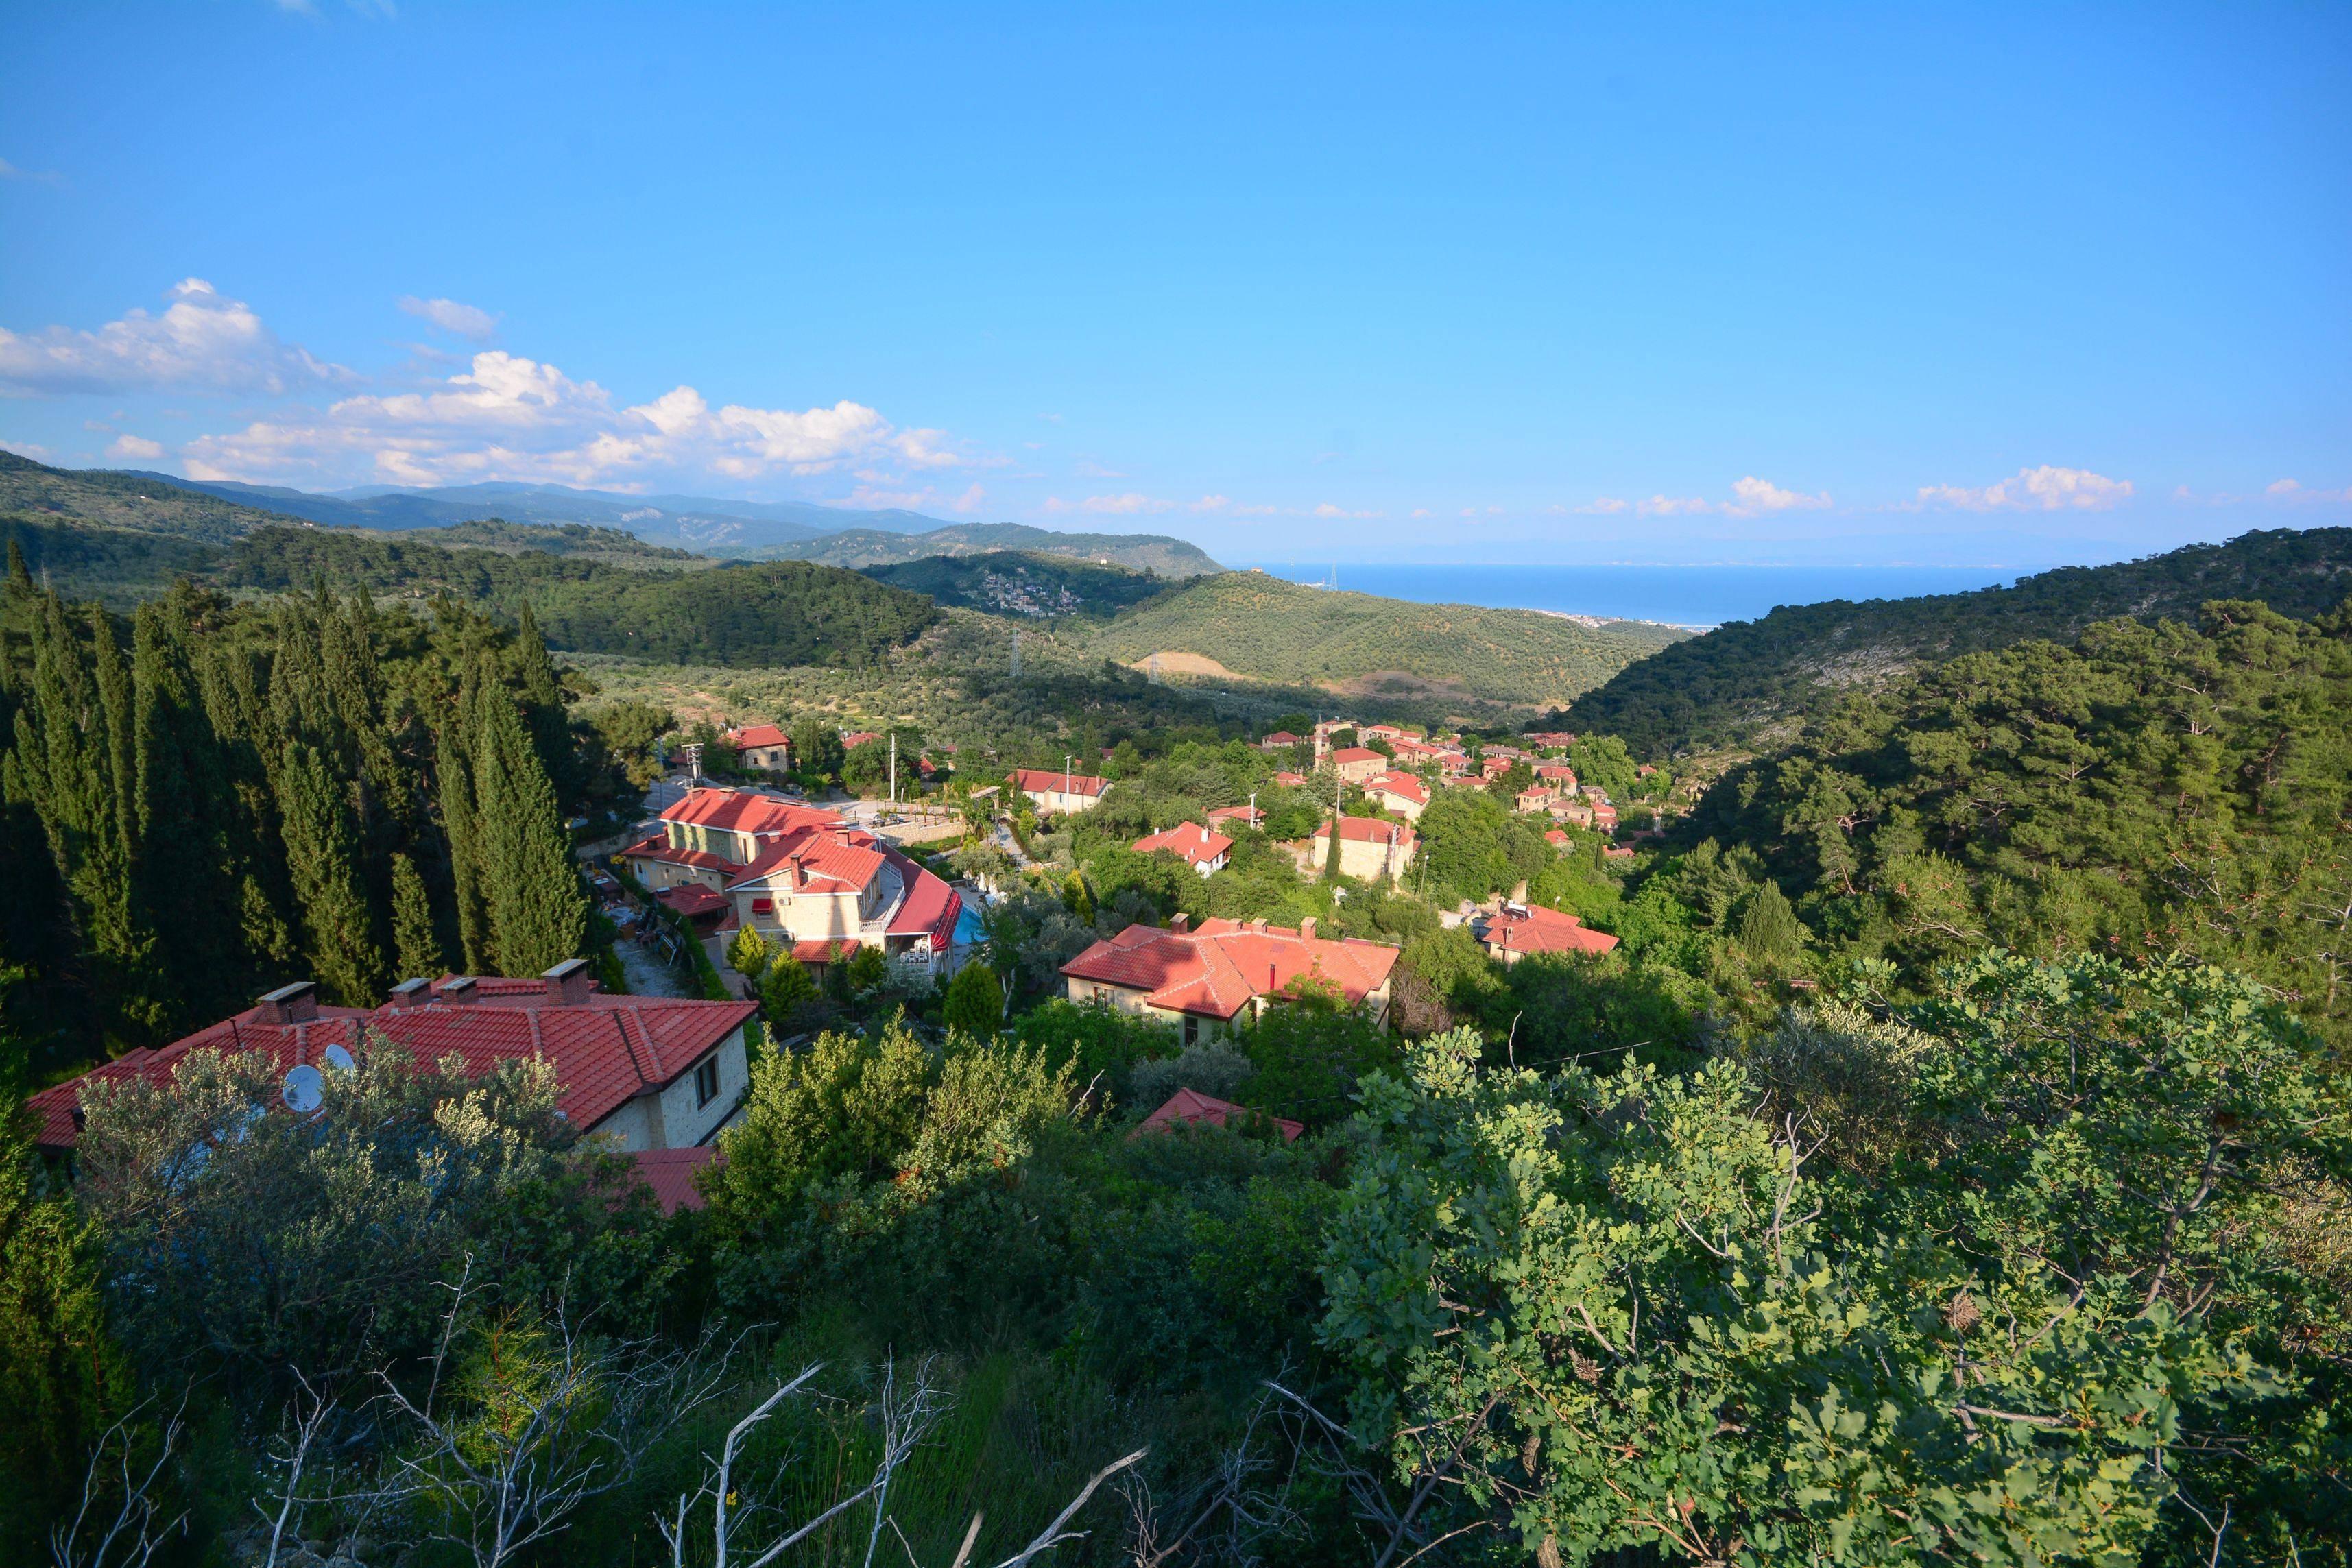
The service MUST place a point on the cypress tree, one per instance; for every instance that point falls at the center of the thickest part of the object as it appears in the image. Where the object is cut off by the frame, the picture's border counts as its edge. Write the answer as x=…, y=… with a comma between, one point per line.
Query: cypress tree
x=538, y=913
x=1331, y=861
x=540, y=691
x=184, y=882
x=415, y=942
x=344, y=955
x=461, y=824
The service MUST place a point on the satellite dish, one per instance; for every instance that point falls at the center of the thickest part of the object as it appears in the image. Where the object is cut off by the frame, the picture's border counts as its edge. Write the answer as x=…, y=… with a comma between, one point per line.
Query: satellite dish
x=339, y=1058
x=305, y=1089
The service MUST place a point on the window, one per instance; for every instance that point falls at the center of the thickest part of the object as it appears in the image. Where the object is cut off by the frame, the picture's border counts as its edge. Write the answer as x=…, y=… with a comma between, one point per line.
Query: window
x=763, y=906
x=706, y=1082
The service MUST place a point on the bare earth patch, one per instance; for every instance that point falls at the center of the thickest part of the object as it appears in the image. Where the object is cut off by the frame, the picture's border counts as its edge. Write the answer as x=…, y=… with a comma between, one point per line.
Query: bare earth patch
x=1171, y=663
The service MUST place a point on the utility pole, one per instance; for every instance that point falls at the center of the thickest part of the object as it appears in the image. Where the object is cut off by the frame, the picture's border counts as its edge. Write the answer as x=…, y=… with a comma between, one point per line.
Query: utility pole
x=894, y=767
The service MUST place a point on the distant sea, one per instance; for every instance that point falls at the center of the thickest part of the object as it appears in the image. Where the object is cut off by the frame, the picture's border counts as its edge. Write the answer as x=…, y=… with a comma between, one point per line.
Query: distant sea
x=1679, y=595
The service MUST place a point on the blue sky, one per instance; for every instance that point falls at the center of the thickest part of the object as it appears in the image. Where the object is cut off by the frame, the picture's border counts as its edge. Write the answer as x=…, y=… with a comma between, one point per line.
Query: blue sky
x=2008, y=285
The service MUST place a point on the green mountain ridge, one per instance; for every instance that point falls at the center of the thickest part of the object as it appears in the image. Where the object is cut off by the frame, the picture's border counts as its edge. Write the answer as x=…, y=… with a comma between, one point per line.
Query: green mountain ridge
x=1256, y=627
x=859, y=547
x=1747, y=680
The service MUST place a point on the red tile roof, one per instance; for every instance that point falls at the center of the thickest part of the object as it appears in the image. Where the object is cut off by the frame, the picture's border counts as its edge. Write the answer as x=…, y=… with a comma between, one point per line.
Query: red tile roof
x=660, y=849
x=824, y=949
x=1532, y=928
x=1044, y=780
x=758, y=735
x=1217, y=970
x=1280, y=737
x=859, y=739
x=692, y=900
x=1368, y=830
x=605, y=1050
x=1191, y=1105
x=1194, y=844
x=743, y=811
x=1291, y=780
x=930, y=908
x=1402, y=785
x=833, y=859
x=1347, y=754
x=671, y=1172
x=1250, y=815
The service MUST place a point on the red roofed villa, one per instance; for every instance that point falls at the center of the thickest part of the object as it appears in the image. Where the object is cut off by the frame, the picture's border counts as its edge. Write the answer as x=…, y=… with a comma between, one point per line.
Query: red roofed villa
x=1058, y=794
x=1370, y=847
x=649, y=1072
x=1204, y=981
x=1520, y=929
x=1399, y=793
x=1194, y=844
x=762, y=746
x=1357, y=763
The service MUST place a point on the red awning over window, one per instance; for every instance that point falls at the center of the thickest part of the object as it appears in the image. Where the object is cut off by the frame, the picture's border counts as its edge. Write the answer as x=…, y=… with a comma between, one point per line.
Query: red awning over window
x=763, y=906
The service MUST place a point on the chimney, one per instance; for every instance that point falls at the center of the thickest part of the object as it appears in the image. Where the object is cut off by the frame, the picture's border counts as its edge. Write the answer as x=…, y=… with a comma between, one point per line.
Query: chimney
x=1306, y=929
x=567, y=983
x=458, y=990
x=1257, y=926
x=412, y=994
x=297, y=1003
x=1180, y=924
x=799, y=861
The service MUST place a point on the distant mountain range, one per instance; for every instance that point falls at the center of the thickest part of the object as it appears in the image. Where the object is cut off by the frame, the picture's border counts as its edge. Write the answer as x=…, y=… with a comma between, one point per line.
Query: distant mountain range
x=220, y=511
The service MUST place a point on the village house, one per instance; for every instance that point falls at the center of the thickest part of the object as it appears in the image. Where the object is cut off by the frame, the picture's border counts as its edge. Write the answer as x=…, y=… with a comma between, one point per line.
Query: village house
x=1533, y=799
x=831, y=887
x=1058, y=794
x=1572, y=813
x=1278, y=740
x=645, y=1072
x=799, y=876
x=1247, y=816
x=1369, y=848
x=761, y=747
x=1204, y=982
x=1357, y=763
x=1557, y=776
x=1194, y=844
x=1399, y=793
x=1387, y=732
x=1551, y=739
x=1193, y=1108
x=1517, y=930
x=1291, y=780
x=709, y=833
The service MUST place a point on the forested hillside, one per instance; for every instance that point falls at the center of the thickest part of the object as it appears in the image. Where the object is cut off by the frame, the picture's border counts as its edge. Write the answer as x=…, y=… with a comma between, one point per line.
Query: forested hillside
x=1261, y=628
x=1741, y=679
x=1157, y=553
x=1025, y=584
x=766, y=612
x=2169, y=787
x=35, y=490
x=215, y=800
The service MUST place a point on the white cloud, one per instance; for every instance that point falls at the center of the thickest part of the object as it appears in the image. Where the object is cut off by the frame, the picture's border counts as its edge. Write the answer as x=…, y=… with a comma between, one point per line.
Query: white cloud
x=1124, y=505
x=10, y=171
x=1326, y=509
x=2293, y=493
x=2042, y=489
x=462, y=320
x=32, y=449
x=1671, y=506
x=506, y=417
x=203, y=342
x=138, y=446
x=1754, y=495
x=1087, y=468
x=1212, y=504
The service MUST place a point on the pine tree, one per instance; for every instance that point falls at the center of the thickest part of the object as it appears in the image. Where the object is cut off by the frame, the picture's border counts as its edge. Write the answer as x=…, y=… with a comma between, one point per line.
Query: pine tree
x=749, y=955
x=785, y=989
x=538, y=915
x=975, y=1002
x=345, y=956
x=416, y=944
x=1769, y=932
